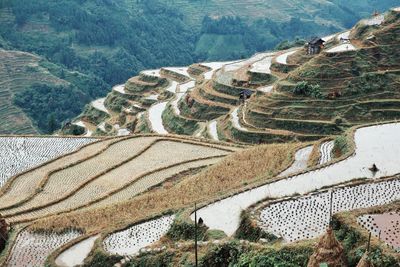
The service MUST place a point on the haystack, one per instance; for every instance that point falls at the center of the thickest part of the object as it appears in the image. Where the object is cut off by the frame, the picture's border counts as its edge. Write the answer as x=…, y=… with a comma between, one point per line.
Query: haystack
x=329, y=251
x=365, y=262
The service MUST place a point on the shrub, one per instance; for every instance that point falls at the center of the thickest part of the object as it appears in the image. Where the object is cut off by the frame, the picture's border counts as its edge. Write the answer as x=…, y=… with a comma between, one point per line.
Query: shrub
x=215, y=234
x=223, y=255
x=249, y=230
x=286, y=257
x=101, y=260
x=163, y=259
x=185, y=230
x=338, y=120
x=354, y=246
x=340, y=146
x=305, y=89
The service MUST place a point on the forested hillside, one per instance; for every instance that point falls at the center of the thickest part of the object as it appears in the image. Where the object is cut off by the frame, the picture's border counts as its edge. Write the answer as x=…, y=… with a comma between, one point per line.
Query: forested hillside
x=108, y=41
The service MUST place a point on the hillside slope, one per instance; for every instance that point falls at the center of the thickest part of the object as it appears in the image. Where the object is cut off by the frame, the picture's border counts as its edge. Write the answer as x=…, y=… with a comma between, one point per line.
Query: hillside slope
x=294, y=96
x=16, y=74
x=95, y=38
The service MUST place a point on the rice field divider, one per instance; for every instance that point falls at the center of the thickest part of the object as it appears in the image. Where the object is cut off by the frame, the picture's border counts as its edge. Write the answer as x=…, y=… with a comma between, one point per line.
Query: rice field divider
x=166, y=138
x=350, y=138
x=88, y=204
x=91, y=179
x=99, y=241
x=204, y=202
x=257, y=207
x=140, y=176
x=44, y=181
x=197, y=140
x=10, y=181
x=352, y=147
x=316, y=153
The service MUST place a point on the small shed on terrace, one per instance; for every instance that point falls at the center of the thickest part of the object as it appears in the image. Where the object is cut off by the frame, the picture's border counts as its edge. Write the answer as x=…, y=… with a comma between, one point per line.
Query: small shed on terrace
x=315, y=45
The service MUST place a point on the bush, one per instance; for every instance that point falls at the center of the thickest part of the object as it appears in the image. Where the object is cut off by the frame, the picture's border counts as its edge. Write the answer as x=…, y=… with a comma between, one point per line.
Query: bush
x=184, y=230
x=101, y=260
x=223, y=255
x=286, y=257
x=163, y=259
x=215, y=234
x=354, y=245
x=248, y=230
x=340, y=146
x=305, y=89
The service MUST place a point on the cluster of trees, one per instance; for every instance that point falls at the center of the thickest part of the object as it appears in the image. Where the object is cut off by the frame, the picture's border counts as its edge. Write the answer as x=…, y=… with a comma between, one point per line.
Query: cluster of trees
x=49, y=106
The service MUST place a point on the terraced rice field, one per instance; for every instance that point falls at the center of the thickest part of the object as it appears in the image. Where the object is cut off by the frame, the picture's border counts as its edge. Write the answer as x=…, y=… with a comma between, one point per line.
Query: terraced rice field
x=154, y=73
x=266, y=89
x=172, y=87
x=76, y=254
x=235, y=120
x=326, y=152
x=214, y=67
x=24, y=185
x=99, y=105
x=262, y=66
x=120, y=89
x=243, y=63
x=224, y=215
x=155, y=118
x=282, y=59
x=300, y=161
x=131, y=240
x=139, y=163
x=31, y=249
x=155, y=178
x=65, y=181
x=343, y=36
x=374, y=21
x=212, y=130
x=384, y=226
x=342, y=48
x=180, y=70
x=18, y=154
x=308, y=217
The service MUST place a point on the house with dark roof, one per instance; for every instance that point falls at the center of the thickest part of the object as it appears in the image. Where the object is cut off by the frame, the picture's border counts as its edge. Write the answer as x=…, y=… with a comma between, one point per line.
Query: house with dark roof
x=315, y=45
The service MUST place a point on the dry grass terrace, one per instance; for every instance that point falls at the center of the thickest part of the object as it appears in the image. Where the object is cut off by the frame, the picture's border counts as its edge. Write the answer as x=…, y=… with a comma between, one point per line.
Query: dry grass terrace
x=234, y=172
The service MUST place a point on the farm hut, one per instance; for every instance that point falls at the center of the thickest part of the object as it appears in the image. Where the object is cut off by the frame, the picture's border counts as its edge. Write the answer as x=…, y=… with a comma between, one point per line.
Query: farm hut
x=328, y=251
x=315, y=45
x=244, y=95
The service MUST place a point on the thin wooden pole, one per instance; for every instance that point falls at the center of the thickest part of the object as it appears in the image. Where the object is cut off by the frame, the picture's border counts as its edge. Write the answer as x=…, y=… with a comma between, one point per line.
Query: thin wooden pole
x=369, y=242
x=195, y=234
x=331, y=209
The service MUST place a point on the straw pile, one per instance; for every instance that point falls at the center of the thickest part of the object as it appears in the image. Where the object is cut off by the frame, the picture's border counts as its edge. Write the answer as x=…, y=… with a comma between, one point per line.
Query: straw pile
x=329, y=251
